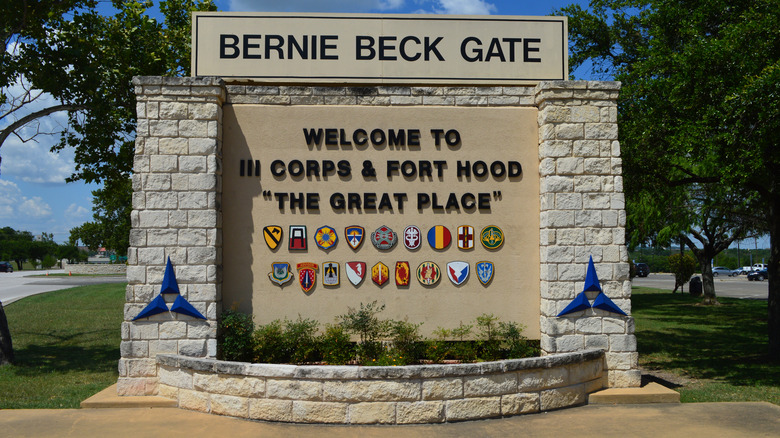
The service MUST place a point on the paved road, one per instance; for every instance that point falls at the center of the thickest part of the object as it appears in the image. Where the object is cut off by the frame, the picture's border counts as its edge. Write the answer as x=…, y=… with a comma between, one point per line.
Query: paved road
x=20, y=284
x=732, y=287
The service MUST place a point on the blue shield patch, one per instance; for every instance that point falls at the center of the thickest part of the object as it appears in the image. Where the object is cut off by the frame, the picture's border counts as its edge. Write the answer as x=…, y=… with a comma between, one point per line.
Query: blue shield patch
x=485, y=272
x=354, y=235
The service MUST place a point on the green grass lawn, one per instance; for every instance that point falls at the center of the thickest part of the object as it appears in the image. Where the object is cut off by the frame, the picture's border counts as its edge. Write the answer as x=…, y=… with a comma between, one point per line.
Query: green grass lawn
x=719, y=351
x=66, y=345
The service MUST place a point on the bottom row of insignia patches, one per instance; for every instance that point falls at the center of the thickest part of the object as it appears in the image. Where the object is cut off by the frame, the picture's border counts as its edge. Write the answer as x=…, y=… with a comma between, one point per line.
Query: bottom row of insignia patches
x=428, y=273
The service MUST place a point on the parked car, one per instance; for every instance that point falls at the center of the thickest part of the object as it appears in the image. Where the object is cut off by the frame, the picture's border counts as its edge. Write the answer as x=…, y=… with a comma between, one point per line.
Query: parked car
x=745, y=270
x=6, y=267
x=642, y=270
x=722, y=270
x=759, y=266
x=758, y=275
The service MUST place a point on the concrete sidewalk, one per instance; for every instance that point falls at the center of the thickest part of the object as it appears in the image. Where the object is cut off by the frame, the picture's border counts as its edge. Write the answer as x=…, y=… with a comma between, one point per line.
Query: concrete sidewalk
x=688, y=420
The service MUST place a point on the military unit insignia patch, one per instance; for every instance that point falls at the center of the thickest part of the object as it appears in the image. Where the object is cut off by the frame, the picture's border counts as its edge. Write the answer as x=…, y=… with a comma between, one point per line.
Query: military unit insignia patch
x=330, y=274
x=439, y=237
x=272, y=235
x=297, y=238
x=466, y=237
x=280, y=273
x=458, y=272
x=492, y=237
x=354, y=235
x=402, y=273
x=326, y=237
x=428, y=273
x=380, y=273
x=412, y=237
x=485, y=272
x=384, y=237
x=307, y=275
x=356, y=272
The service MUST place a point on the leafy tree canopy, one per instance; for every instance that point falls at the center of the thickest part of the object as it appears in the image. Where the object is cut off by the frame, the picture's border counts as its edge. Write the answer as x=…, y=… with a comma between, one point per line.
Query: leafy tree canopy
x=697, y=111
x=86, y=61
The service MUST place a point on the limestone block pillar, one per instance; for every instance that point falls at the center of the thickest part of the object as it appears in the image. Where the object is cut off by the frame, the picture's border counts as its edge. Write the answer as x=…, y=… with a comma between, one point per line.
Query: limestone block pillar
x=582, y=215
x=176, y=214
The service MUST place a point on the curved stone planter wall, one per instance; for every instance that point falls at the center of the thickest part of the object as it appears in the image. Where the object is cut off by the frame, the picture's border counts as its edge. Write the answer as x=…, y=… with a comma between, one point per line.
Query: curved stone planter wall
x=391, y=395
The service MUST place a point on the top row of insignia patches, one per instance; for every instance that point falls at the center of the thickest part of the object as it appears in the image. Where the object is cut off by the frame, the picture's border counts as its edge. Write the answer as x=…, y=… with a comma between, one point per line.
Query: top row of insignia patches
x=439, y=237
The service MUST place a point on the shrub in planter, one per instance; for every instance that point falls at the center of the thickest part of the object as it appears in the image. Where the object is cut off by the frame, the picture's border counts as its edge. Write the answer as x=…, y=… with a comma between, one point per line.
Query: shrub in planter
x=438, y=349
x=270, y=345
x=335, y=345
x=489, y=346
x=514, y=344
x=234, y=337
x=300, y=339
x=407, y=346
x=365, y=323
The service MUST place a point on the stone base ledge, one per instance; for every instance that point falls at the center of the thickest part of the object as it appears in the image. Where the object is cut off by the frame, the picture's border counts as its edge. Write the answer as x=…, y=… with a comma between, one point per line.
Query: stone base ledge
x=386, y=395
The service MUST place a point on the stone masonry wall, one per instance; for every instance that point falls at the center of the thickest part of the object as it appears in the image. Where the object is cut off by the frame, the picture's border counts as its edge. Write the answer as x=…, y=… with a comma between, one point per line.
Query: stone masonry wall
x=387, y=395
x=94, y=269
x=583, y=215
x=177, y=214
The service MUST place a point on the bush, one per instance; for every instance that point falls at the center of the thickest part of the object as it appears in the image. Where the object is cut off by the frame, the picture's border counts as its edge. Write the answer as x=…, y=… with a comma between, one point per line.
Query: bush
x=335, y=346
x=382, y=342
x=300, y=339
x=366, y=324
x=270, y=345
x=234, y=337
x=683, y=267
x=406, y=347
x=514, y=344
x=48, y=261
x=489, y=345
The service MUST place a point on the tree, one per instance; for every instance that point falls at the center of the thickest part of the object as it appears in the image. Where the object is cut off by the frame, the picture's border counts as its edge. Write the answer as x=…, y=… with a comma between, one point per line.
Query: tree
x=698, y=110
x=86, y=61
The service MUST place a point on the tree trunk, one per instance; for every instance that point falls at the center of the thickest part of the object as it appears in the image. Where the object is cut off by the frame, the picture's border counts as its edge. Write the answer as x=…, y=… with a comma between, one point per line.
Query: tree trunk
x=773, y=271
x=6, y=346
x=707, y=281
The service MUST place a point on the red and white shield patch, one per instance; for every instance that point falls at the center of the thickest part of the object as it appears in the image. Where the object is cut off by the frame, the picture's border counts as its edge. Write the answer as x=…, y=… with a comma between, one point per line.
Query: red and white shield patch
x=307, y=275
x=466, y=237
x=412, y=238
x=356, y=272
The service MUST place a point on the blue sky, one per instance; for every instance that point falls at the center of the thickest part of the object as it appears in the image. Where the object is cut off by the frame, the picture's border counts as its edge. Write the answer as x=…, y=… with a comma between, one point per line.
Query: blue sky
x=33, y=193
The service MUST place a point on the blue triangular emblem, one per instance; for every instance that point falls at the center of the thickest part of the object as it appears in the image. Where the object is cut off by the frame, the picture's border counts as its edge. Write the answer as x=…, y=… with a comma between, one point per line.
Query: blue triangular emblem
x=580, y=302
x=180, y=305
x=156, y=306
x=169, y=285
x=591, y=279
x=604, y=303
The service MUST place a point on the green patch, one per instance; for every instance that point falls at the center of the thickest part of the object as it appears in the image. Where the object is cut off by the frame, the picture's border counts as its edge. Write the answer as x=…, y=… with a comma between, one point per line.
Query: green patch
x=722, y=349
x=66, y=345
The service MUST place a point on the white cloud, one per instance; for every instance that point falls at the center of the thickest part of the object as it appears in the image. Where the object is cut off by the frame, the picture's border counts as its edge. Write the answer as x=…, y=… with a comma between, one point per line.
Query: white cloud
x=35, y=207
x=13, y=205
x=32, y=160
x=463, y=7
x=315, y=5
x=77, y=212
x=457, y=7
x=9, y=197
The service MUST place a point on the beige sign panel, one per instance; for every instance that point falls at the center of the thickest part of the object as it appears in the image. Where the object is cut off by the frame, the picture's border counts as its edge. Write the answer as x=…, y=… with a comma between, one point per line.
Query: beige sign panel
x=380, y=49
x=320, y=170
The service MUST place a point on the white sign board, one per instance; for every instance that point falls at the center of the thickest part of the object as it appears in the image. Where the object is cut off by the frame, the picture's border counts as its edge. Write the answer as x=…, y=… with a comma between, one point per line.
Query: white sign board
x=379, y=49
